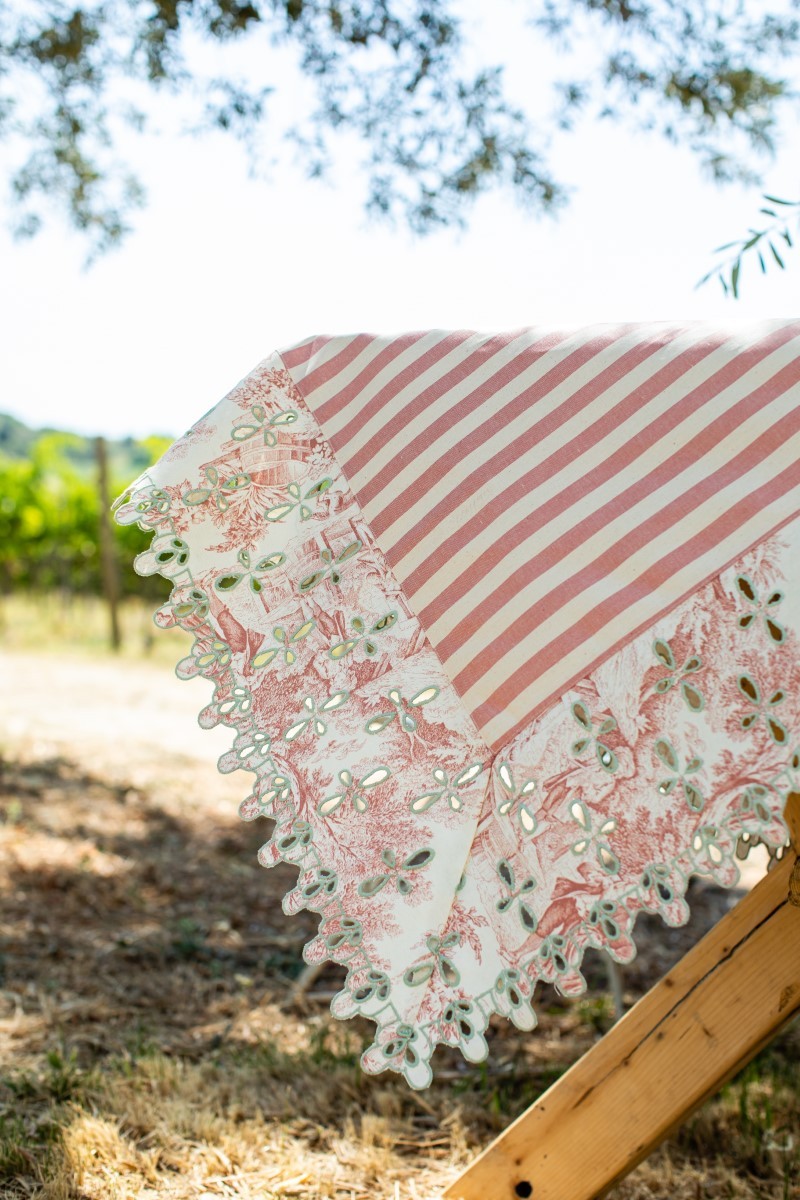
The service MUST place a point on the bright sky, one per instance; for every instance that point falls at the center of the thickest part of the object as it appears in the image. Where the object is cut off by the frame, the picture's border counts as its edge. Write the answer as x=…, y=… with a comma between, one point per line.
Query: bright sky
x=222, y=269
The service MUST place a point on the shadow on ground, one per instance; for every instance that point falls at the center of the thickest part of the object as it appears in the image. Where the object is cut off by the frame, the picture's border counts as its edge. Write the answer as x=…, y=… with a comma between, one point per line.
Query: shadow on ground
x=149, y=1038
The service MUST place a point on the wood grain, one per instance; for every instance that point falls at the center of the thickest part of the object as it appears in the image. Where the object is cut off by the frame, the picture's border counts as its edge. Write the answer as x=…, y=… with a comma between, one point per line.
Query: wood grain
x=705, y=1020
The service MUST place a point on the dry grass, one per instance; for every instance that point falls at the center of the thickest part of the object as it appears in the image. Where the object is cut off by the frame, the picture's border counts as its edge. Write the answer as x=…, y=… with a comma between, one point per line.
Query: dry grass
x=148, y=1050
x=64, y=623
x=262, y=1123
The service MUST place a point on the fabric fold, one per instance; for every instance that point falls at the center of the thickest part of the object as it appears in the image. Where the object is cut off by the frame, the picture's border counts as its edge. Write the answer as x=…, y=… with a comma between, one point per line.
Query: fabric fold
x=509, y=656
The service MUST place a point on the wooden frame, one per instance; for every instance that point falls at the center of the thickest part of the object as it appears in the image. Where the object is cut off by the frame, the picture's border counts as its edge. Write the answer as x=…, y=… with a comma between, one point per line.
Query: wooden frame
x=695, y=1029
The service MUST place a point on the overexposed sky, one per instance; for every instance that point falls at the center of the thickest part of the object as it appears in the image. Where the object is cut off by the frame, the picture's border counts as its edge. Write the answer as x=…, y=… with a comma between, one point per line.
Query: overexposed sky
x=222, y=269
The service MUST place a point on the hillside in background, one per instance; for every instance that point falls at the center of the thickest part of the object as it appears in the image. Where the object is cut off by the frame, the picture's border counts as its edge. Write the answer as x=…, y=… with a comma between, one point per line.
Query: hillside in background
x=128, y=457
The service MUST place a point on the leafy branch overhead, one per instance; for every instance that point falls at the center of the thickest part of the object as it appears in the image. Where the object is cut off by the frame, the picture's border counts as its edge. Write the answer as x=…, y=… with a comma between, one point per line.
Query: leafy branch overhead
x=433, y=132
x=768, y=245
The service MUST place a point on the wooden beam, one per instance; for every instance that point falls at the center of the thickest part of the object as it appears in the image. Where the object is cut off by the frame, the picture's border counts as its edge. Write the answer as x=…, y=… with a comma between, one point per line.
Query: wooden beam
x=702, y=1023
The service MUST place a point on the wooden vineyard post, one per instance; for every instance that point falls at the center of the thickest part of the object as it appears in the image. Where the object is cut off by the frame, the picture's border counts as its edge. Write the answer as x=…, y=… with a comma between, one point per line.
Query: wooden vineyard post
x=108, y=562
x=702, y=1023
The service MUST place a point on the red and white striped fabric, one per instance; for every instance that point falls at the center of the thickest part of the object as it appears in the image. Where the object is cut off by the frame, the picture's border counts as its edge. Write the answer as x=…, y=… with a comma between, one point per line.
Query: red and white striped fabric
x=507, y=632
x=544, y=495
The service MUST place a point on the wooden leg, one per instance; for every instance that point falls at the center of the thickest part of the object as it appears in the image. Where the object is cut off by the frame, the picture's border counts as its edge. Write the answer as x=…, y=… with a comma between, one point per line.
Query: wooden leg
x=695, y=1029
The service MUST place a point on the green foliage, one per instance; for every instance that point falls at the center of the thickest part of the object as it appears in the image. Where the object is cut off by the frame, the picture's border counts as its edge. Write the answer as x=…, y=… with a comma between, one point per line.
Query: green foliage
x=434, y=132
x=64, y=1078
x=708, y=73
x=768, y=245
x=50, y=513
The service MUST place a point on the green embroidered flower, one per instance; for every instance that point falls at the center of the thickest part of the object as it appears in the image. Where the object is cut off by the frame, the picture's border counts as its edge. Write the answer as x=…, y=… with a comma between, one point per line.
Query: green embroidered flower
x=712, y=851
x=286, y=643
x=692, y=696
x=553, y=951
x=705, y=841
x=330, y=568
x=436, y=960
x=512, y=991
x=258, y=422
x=209, y=658
x=656, y=886
x=668, y=755
x=514, y=798
x=375, y=984
x=401, y=710
x=761, y=710
x=292, y=846
x=606, y=757
x=458, y=1013
x=154, y=504
x=353, y=791
x=760, y=822
x=170, y=552
x=345, y=940
x=402, y=1044
x=603, y=921
x=275, y=786
x=253, y=749
x=396, y=872
x=238, y=700
x=311, y=718
x=516, y=895
x=279, y=512
x=363, y=637
x=755, y=804
x=253, y=572
x=321, y=887
x=557, y=961
x=448, y=790
x=593, y=838
x=660, y=890
x=762, y=611
x=217, y=489
x=194, y=603
x=791, y=771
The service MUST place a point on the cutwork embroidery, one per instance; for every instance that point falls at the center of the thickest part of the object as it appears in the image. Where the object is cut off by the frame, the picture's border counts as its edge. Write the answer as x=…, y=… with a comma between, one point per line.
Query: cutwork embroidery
x=217, y=489
x=692, y=696
x=516, y=895
x=449, y=790
x=365, y=638
x=259, y=422
x=594, y=839
x=286, y=643
x=348, y=725
x=605, y=756
x=401, y=710
x=669, y=757
x=254, y=573
x=398, y=873
x=761, y=611
x=330, y=569
x=353, y=791
x=514, y=798
x=762, y=711
x=298, y=500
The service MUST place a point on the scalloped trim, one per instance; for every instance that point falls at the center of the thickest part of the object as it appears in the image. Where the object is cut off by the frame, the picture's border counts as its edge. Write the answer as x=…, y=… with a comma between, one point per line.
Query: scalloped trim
x=400, y=1044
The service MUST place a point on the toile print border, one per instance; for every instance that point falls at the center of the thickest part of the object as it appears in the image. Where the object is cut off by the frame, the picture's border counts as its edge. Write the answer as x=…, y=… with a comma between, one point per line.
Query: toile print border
x=500, y=808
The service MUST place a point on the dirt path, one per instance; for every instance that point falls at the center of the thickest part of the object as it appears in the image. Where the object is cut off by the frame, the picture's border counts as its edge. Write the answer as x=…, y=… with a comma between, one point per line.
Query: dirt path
x=121, y=846
x=132, y=722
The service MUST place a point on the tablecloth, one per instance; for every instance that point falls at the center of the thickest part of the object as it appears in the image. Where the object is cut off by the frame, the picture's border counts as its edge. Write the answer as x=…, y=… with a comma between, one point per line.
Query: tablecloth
x=505, y=628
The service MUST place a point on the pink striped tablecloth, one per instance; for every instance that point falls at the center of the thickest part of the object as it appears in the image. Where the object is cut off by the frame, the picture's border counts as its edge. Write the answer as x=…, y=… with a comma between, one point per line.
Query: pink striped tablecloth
x=506, y=630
